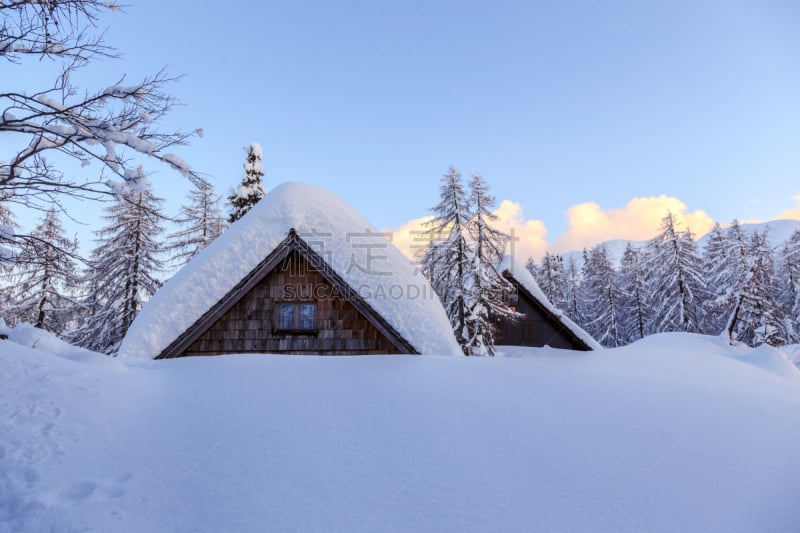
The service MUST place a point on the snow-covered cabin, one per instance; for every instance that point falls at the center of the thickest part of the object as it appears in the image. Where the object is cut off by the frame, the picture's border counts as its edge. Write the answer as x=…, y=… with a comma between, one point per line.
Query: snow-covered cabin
x=301, y=273
x=542, y=324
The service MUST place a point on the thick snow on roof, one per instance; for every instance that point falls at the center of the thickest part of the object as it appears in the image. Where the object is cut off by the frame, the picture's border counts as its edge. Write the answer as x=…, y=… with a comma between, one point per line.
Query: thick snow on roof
x=525, y=278
x=364, y=258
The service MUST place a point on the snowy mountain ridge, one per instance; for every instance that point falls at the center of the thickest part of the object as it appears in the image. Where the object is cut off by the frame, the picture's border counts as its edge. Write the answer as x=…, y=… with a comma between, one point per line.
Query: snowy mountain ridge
x=779, y=232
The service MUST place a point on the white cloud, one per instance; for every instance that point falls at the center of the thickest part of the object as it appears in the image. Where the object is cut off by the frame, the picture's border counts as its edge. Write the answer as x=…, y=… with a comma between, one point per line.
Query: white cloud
x=589, y=225
x=410, y=237
x=640, y=219
x=793, y=213
x=529, y=235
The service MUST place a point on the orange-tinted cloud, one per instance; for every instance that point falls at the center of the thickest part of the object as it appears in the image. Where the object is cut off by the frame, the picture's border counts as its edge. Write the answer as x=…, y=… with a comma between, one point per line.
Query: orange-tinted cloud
x=589, y=225
x=640, y=219
x=529, y=235
x=410, y=237
x=793, y=213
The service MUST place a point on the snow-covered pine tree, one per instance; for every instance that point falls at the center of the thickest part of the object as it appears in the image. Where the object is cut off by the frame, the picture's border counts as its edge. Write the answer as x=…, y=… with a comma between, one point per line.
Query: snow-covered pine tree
x=530, y=266
x=251, y=190
x=551, y=279
x=789, y=276
x=8, y=244
x=447, y=260
x=123, y=270
x=200, y=221
x=45, y=277
x=8, y=227
x=634, y=304
x=726, y=264
x=757, y=317
x=488, y=288
x=580, y=293
x=585, y=265
x=602, y=298
x=676, y=279
x=739, y=253
x=719, y=278
x=573, y=290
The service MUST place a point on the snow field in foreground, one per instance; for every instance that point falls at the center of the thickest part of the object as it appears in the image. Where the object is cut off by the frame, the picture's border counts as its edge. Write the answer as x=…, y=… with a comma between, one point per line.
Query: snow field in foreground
x=674, y=433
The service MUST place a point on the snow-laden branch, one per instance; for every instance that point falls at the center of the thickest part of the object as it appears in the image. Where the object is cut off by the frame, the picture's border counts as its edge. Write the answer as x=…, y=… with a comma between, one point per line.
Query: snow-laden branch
x=111, y=129
x=52, y=28
x=106, y=127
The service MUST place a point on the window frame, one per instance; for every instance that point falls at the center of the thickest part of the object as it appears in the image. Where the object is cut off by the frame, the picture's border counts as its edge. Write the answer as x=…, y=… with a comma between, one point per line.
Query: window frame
x=297, y=319
x=512, y=299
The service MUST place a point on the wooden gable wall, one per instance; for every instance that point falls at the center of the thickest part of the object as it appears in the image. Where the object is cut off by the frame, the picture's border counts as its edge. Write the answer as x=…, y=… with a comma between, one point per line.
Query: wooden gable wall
x=249, y=326
x=537, y=328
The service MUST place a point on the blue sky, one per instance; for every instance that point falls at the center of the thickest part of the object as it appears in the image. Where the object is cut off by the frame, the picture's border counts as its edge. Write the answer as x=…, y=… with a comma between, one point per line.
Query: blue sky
x=556, y=103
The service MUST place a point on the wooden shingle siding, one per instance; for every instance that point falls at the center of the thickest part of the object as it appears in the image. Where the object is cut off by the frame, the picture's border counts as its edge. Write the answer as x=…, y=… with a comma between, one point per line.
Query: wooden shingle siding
x=538, y=327
x=249, y=325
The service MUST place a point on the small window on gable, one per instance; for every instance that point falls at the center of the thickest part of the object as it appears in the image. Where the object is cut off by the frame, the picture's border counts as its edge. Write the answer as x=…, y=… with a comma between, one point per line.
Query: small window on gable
x=296, y=317
x=512, y=299
x=285, y=316
x=307, y=316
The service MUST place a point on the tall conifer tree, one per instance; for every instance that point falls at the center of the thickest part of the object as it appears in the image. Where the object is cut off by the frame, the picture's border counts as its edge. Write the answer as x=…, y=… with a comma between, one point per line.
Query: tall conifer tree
x=200, y=221
x=551, y=280
x=251, y=189
x=789, y=276
x=488, y=288
x=124, y=269
x=720, y=279
x=634, y=304
x=447, y=260
x=757, y=317
x=602, y=298
x=45, y=277
x=8, y=244
x=677, y=283
x=574, y=279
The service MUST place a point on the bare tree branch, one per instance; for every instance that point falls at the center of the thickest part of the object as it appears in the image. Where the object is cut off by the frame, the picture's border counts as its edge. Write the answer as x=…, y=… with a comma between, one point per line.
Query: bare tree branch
x=53, y=28
x=114, y=127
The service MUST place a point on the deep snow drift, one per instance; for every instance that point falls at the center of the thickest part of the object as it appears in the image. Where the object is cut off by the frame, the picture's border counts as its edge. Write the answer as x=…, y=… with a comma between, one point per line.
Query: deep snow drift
x=674, y=433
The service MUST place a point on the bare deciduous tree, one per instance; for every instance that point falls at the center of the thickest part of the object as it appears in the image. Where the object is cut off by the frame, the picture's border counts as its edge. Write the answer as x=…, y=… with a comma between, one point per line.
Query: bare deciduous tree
x=113, y=127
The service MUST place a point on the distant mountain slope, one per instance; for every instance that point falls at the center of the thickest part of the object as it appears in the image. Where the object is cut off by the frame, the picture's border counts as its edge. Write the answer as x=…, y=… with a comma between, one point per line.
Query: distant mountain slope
x=779, y=232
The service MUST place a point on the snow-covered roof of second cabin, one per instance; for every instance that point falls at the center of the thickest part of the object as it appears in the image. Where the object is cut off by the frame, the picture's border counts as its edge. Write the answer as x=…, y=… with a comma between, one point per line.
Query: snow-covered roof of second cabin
x=364, y=258
x=526, y=280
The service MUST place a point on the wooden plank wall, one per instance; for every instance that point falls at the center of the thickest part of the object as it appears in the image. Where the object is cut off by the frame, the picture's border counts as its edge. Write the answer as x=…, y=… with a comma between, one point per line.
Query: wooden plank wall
x=534, y=329
x=248, y=327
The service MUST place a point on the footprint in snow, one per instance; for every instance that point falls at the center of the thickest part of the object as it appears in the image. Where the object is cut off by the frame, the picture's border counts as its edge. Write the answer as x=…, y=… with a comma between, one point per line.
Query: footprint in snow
x=79, y=491
x=86, y=489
